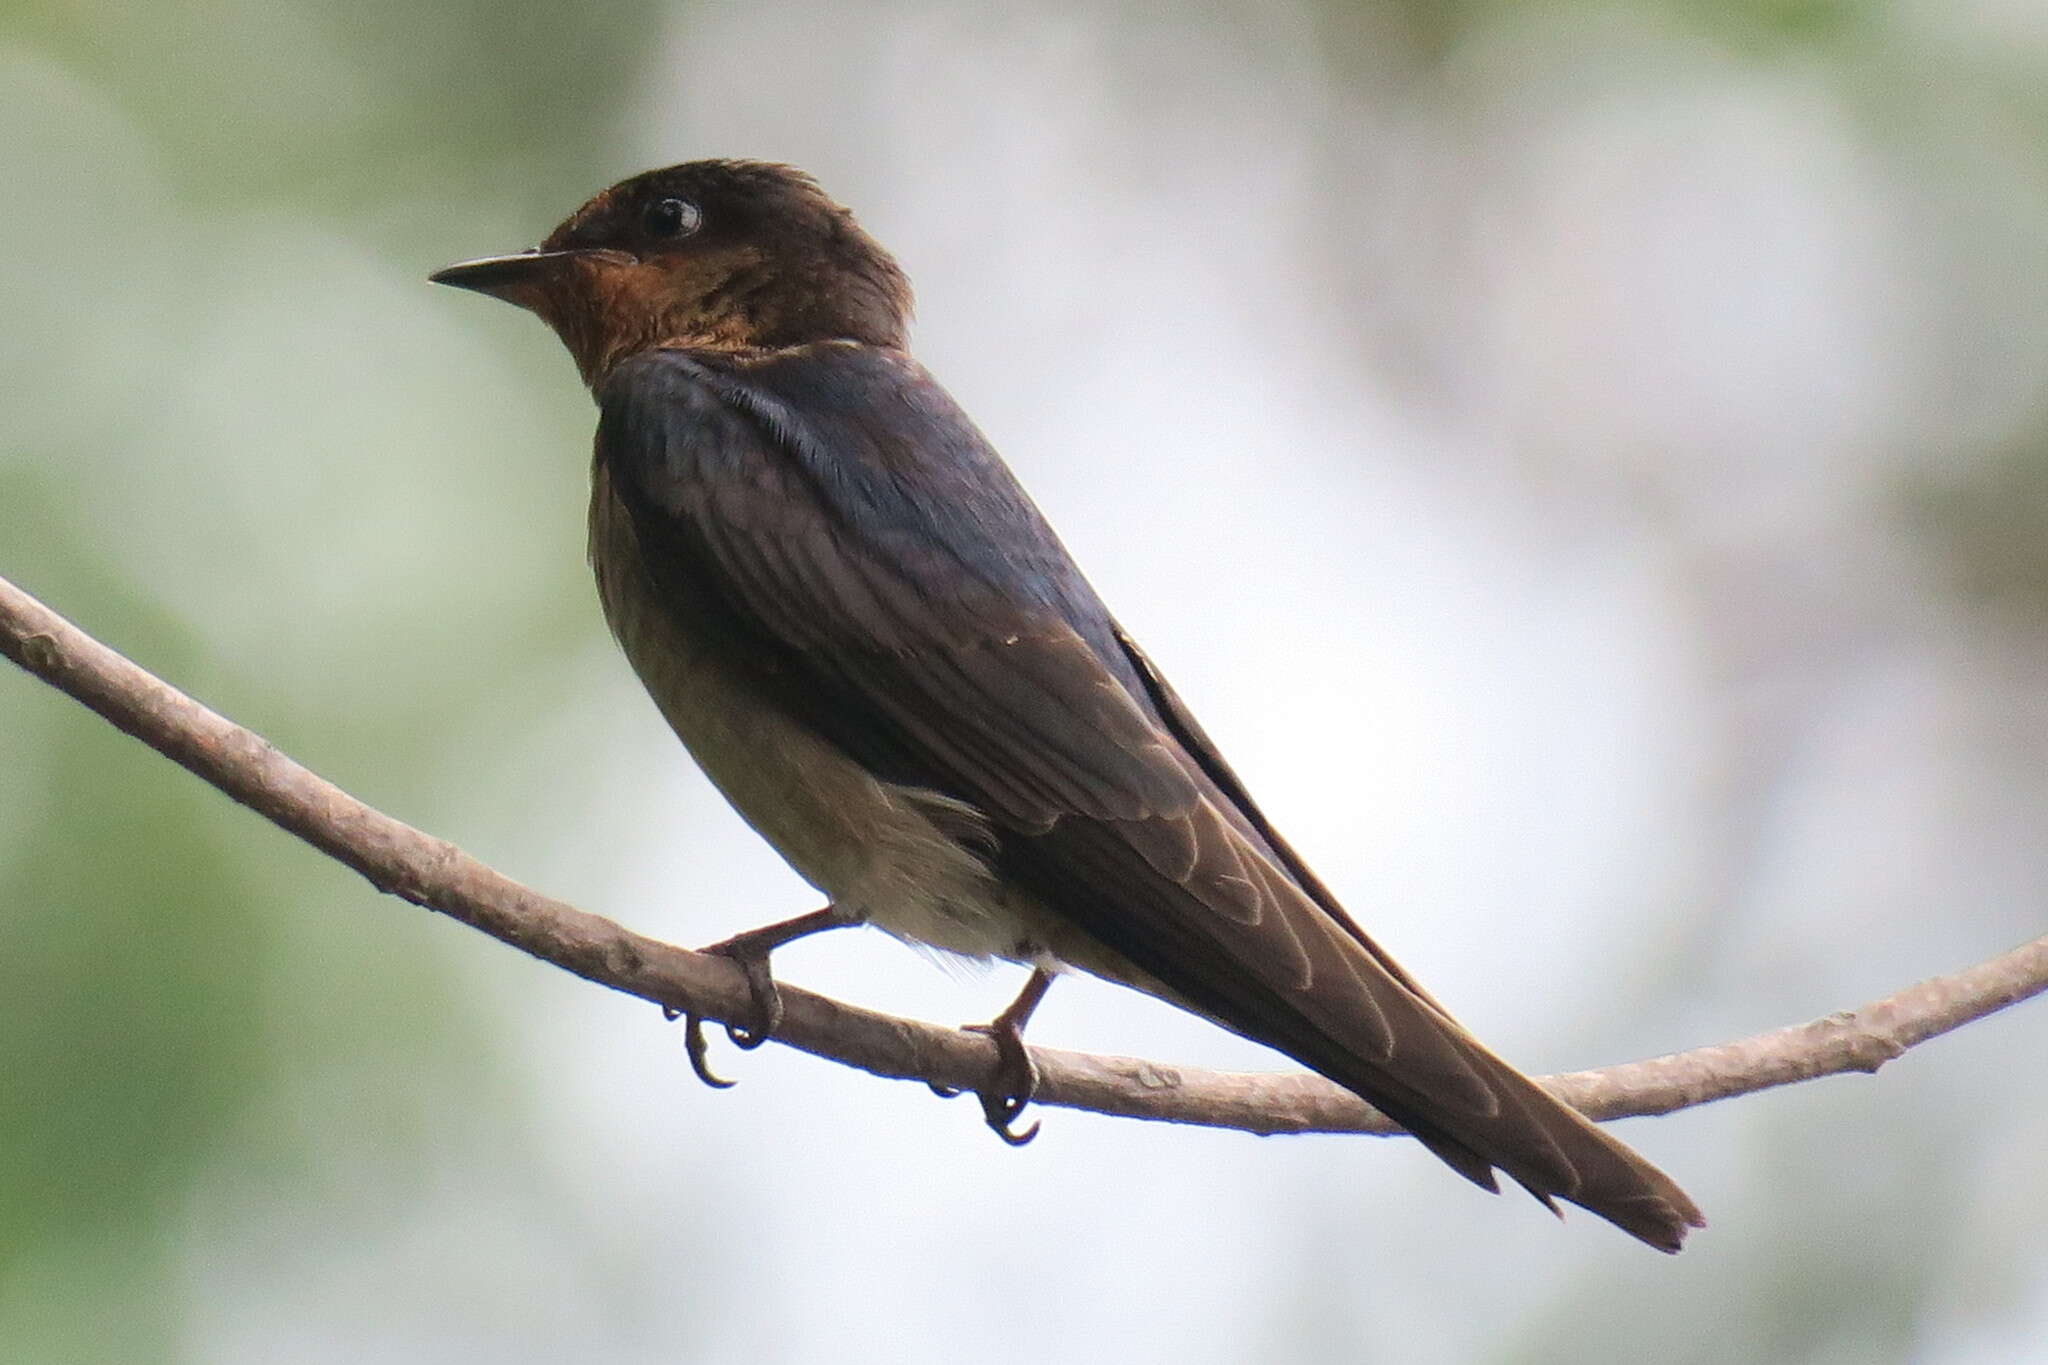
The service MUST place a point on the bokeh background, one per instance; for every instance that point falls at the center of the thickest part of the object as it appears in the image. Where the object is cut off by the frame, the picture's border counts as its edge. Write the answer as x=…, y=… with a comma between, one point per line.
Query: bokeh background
x=1586, y=462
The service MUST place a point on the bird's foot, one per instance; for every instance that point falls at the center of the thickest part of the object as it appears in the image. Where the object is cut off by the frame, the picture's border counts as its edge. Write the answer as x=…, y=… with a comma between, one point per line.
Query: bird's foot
x=1007, y=1090
x=749, y=952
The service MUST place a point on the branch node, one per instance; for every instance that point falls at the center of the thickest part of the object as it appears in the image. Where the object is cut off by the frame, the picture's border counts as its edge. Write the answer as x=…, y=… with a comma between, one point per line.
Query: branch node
x=624, y=960
x=41, y=652
x=1155, y=1076
x=1873, y=1050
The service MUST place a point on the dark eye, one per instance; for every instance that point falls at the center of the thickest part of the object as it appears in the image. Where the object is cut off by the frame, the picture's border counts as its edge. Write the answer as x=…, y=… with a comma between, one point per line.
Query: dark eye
x=670, y=218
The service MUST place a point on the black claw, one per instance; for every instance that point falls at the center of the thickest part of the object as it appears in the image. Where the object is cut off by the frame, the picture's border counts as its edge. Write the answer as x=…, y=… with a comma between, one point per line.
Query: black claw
x=944, y=1092
x=1000, y=1111
x=671, y=1013
x=694, y=1044
x=1014, y=1139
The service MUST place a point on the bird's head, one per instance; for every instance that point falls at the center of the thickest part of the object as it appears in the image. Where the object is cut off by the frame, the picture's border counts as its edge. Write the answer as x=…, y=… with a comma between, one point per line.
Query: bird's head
x=717, y=254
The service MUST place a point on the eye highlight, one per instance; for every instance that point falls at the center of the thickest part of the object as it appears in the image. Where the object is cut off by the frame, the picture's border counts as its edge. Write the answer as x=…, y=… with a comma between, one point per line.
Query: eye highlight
x=670, y=218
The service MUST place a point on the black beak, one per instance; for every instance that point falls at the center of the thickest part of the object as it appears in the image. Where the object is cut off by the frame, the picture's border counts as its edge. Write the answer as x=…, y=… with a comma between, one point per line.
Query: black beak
x=503, y=277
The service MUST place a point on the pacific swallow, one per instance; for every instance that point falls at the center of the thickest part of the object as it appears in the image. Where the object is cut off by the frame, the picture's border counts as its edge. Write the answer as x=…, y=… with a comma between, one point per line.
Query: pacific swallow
x=866, y=634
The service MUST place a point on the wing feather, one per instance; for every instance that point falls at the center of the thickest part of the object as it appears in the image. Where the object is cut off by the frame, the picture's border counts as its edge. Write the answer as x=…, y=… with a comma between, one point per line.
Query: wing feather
x=849, y=529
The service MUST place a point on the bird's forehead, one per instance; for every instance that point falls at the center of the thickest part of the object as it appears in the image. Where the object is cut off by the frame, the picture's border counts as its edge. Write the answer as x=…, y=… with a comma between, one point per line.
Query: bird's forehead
x=591, y=210
x=590, y=219
x=604, y=212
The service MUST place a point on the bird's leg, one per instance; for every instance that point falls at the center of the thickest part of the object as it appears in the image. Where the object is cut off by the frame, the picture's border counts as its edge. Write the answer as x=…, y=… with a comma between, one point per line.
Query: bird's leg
x=749, y=952
x=1009, y=1088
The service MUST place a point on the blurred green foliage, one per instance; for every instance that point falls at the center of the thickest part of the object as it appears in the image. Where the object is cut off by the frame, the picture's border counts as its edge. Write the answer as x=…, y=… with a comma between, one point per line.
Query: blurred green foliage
x=158, y=155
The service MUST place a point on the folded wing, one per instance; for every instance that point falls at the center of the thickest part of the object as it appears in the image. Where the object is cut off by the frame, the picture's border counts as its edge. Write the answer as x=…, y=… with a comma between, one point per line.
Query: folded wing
x=832, y=512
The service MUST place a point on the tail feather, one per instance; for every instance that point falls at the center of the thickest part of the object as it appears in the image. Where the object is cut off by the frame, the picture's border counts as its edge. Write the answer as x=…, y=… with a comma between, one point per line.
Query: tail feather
x=1541, y=1143
x=1295, y=972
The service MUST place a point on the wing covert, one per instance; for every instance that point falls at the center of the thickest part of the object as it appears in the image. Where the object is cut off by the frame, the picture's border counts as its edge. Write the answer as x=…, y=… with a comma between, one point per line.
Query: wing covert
x=841, y=514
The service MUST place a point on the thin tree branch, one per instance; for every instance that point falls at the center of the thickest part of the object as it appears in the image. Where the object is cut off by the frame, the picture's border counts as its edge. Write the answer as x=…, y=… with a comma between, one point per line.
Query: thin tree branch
x=430, y=872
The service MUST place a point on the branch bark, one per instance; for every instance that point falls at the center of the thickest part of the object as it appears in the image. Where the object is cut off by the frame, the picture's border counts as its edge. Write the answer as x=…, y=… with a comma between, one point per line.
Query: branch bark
x=430, y=872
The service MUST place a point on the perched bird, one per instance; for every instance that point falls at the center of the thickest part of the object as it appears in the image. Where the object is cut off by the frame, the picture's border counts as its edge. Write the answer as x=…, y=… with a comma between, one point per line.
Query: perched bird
x=867, y=635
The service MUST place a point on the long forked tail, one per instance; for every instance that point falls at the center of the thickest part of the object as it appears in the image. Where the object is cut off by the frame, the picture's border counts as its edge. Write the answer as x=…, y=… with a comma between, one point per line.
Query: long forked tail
x=1286, y=971
x=1544, y=1145
x=1362, y=1021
